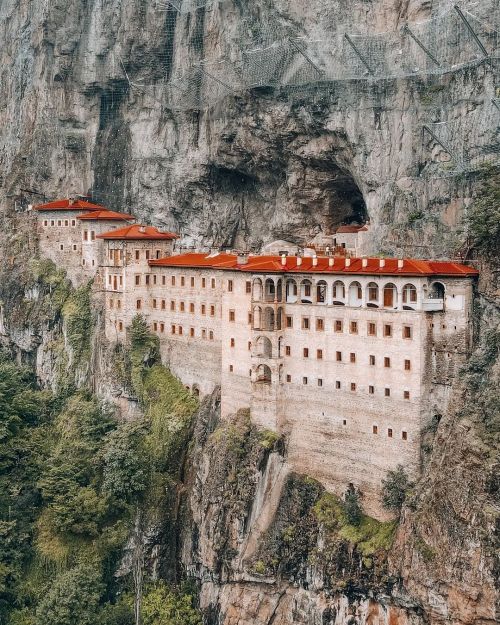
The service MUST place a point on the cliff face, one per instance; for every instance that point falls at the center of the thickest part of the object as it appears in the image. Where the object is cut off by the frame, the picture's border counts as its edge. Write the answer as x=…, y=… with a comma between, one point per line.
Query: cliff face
x=258, y=166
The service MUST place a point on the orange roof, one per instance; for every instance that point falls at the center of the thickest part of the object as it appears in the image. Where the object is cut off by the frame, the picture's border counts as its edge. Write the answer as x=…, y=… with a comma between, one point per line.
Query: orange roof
x=105, y=215
x=68, y=205
x=273, y=264
x=349, y=229
x=137, y=232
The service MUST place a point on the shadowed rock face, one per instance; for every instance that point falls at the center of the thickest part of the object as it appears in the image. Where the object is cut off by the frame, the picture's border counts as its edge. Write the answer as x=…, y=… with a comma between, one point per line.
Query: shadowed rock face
x=253, y=168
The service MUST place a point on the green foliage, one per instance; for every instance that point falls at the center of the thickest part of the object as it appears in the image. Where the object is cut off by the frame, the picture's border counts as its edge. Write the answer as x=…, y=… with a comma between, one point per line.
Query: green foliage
x=73, y=598
x=395, y=489
x=162, y=606
x=352, y=506
x=483, y=218
x=77, y=317
x=144, y=352
x=119, y=613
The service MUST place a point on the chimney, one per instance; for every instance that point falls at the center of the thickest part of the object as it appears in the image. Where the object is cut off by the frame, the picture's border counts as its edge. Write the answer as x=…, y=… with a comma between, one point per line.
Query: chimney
x=315, y=261
x=381, y=262
x=283, y=260
x=242, y=258
x=299, y=261
x=331, y=261
x=347, y=262
x=401, y=263
x=364, y=262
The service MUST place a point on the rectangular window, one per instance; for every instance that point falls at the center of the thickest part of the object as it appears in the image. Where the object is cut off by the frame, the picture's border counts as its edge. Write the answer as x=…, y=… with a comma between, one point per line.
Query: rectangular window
x=338, y=356
x=249, y=345
x=353, y=327
x=288, y=378
x=191, y=307
x=155, y=326
x=211, y=335
x=230, y=286
x=320, y=325
x=172, y=329
x=183, y=281
x=92, y=235
x=147, y=279
x=147, y=254
x=163, y=280
x=119, y=303
x=138, y=304
x=407, y=365
x=73, y=222
x=389, y=432
x=203, y=333
x=162, y=327
x=232, y=315
x=232, y=343
x=192, y=281
x=319, y=354
x=338, y=325
x=305, y=323
x=154, y=279
x=66, y=223
x=203, y=309
x=182, y=306
x=230, y=368
x=74, y=248
x=121, y=280
x=163, y=304
x=172, y=305
x=352, y=357
x=203, y=283
x=353, y=386
x=288, y=350
x=387, y=362
x=191, y=332
x=320, y=382
x=154, y=303
x=387, y=392
x=404, y=435
x=375, y=429
x=172, y=280
x=212, y=311
x=304, y=380
x=110, y=254
x=372, y=360
x=180, y=330
x=387, y=330
x=52, y=222
x=407, y=333
x=111, y=303
x=371, y=390
x=337, y=384
x=120, y=326
x=406, y=394
x=306, y=352
x=344, y=421
x=248, y=287
x=137, y=280
x=158, y=254
x=212, y=282
x=137, y=254
x=249, y=318
x=45, y=223
x=85, y=235
x=372, y=329
x=289, y=321
x=59, y=222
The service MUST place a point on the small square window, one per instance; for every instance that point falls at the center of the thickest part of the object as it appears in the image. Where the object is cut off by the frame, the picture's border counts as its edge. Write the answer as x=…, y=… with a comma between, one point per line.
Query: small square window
x=352, y=357
x=387, y=392
x=320, y=325
x=306, y=352
x=389, y=432
x=288, y=377
x=338, y=325
x=371, y=390
x=191, y=332
x=407, y=332
x=406, y=394
x=320, y=382
x=231, y=368
x=319, y=354
x=232, y=343
x=407, y=365
x=404, y=435
x=155, y=326
x=289, y=321
x=353, y=327
x=288, y=350
x=138, y=304
x=353, y=386
x=74, y=248
x=211, y=335
x=375, y=429
x=338, y=356
x=248, y=287
x=344, y=422
x=61, y=247
x=387, y=362
x=337, y=384
x=387, y=330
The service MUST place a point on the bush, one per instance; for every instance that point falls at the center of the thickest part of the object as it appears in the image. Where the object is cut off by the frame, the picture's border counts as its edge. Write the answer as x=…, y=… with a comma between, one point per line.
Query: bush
x=395, y=489
x=161, y=606
x=483, y=218
x=352, y=506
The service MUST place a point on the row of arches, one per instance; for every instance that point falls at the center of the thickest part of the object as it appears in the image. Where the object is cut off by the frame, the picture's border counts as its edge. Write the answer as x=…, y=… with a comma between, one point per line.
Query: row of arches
x=267, y=318
x=340, y=293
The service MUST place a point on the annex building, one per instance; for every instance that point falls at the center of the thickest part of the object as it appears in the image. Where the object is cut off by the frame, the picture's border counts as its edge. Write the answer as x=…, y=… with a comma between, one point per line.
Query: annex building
x=349, y=358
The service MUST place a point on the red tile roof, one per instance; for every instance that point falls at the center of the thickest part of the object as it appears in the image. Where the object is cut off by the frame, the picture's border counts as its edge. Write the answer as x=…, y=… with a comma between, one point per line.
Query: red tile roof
x=273, y=264
x=137, y=232
x=68, y=205
x=350, y=229
x=105, y=215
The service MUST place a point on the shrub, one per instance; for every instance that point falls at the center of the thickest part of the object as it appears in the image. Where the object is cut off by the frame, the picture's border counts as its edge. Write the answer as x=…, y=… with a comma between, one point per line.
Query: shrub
x=395, y=488
x=483, y=218
x=352, y=506
x=162, y=606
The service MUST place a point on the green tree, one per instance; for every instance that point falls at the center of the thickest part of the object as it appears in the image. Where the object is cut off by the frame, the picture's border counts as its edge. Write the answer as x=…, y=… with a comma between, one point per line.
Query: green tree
x=352, y=506
x=72, y=599
x=483, y=218
x=161, y=606
x=125, y=461
x=395, y=488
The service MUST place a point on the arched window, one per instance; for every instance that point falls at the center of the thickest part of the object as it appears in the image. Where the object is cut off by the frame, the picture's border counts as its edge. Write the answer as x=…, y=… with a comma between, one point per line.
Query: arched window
x=268, y=320
x=409, y=295
x=263, y=347
x=291, y=291
x=321, y=291
x=338, y=293
x=279, y=319
x=270, y=290
x=279, y=290
x=390, y=295
x=257, y=290
x=372, y=294
x=264, y=375
x=355, y=294
x=257, y=318
x=437, y=291
x=306, y=292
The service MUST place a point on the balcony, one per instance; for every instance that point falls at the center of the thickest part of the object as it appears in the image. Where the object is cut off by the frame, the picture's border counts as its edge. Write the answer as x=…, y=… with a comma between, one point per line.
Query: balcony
x=433, y=305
